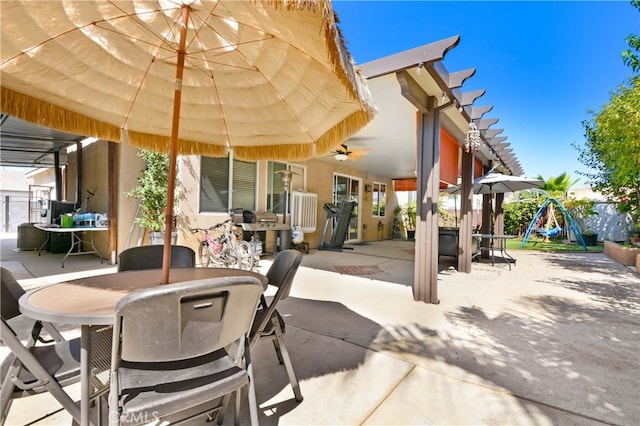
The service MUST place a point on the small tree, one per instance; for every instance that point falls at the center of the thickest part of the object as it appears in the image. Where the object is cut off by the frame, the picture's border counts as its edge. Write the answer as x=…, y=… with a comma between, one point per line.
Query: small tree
x=612, y=139
x=580, y=211
x=152, y=190
x=446, y=219
x=612, y=149
x=518, y=215
x=631, y=56
x=409, y=211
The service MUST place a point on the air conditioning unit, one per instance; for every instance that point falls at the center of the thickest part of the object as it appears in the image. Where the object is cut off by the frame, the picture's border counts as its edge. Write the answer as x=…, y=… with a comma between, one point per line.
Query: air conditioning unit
x=304, y=211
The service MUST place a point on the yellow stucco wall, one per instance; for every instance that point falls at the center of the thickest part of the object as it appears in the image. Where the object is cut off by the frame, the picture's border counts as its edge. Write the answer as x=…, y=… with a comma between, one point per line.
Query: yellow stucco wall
x=319, y=180
x=94, y=179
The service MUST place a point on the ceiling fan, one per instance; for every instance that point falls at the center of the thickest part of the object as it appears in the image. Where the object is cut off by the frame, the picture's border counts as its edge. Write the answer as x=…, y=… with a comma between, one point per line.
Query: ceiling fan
x=342, y=153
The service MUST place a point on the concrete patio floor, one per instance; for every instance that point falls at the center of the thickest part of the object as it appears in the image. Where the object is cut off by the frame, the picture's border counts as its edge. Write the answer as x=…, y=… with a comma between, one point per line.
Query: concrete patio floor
x=556, y=340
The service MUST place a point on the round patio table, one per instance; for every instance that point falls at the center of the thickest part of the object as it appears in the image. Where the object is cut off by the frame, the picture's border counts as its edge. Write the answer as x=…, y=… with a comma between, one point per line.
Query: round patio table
x=90, y=303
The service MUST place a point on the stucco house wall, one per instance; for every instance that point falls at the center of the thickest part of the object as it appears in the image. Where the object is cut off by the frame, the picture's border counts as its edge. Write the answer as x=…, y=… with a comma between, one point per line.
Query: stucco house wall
x=95, y=178
x=319, y=180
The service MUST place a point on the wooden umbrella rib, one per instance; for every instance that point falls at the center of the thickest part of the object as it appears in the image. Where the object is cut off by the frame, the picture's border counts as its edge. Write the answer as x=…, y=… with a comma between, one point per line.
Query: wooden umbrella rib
x=154, y=56
x=195, y=61
x=36, y=46
x=76, y=29
x=205, y=22
x=222, y=112
x=138, y=39
x=135, y=18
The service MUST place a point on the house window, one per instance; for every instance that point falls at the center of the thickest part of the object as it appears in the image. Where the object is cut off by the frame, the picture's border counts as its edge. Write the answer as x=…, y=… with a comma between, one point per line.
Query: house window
x=379, y=199
x=226, y=183
x=274, y=184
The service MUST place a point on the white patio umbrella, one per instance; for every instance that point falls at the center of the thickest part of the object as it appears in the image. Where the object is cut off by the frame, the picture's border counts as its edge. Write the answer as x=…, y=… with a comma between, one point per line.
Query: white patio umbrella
x=493, y=183
x=266, y=79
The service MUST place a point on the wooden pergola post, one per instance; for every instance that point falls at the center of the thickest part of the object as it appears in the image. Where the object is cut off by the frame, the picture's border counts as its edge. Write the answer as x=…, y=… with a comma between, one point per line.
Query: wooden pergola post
x=79, y=172
x=486, y=223
x=466, y=214
x=418, y=72
x=498, y=225
x=113, y=201
x=58, y=175
x=428, y=187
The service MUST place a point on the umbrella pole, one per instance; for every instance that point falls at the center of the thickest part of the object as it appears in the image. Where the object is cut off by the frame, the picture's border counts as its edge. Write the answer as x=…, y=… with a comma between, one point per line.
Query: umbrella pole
x=173, y=149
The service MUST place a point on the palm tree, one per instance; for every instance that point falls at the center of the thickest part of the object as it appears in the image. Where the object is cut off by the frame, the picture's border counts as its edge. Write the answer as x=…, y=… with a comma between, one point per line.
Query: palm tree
x=558, y=184
x=557, y=187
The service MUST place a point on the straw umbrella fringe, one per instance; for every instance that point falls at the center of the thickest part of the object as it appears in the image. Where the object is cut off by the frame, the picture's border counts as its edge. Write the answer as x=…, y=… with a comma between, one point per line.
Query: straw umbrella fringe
x=40, y=111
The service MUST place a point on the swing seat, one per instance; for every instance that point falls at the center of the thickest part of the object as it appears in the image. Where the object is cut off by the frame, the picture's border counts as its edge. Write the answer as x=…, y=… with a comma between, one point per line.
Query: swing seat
x=549, y=233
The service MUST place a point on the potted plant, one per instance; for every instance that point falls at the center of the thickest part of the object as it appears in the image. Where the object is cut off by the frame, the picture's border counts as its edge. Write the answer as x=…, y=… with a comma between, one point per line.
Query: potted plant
x=409, y=212
x=152, y=193
x=398, y=223
x=590, y=237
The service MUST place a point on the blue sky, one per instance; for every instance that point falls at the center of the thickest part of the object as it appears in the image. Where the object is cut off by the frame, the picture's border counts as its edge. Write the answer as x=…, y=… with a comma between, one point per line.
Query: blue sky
x=544, y=64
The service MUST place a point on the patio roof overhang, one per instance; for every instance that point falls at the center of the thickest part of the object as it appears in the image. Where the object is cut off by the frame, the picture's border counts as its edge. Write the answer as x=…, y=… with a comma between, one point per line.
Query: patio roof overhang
x=415, y=75
x=23, y=144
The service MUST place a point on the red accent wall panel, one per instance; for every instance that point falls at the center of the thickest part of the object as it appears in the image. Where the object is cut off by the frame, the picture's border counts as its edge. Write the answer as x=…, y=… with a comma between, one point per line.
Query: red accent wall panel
x=405, y=185
x=478, y=169
x=449, y=150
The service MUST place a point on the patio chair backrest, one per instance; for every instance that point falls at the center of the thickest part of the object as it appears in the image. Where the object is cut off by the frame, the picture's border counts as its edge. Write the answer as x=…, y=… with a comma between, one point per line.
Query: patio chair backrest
x=10, y=292
x=150, y=257
x=31, y=369
x=184, y=320
x=269, y=324
x=280, y=274
x=283, y=270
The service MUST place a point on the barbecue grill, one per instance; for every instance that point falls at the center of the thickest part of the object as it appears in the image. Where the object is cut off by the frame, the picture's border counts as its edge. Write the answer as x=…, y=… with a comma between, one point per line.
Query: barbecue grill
x=261, y=221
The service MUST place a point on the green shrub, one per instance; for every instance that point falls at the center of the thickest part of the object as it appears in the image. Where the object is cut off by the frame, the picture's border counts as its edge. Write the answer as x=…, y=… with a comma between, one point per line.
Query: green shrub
x=152, y=190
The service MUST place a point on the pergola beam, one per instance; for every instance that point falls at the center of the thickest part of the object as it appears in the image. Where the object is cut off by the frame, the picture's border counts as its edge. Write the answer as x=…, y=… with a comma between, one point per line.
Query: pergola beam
x=411, y=58
x=490, y=133
x=485, y=123
x=478, y=112
x=468, y=98
x=496, y=140
x=414, y=93
x=453, y=80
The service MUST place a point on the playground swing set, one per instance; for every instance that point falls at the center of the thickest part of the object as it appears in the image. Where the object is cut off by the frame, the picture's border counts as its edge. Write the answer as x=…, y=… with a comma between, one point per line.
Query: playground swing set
x=548, y=231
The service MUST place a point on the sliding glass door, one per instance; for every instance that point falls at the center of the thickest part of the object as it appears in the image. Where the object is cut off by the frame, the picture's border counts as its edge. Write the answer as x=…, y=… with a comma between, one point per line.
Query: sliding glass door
x=348, y=188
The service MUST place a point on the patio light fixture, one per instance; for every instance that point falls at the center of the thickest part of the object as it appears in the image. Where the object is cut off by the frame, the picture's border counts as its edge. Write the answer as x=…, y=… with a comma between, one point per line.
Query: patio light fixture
x=472, y=141
x=341, y=156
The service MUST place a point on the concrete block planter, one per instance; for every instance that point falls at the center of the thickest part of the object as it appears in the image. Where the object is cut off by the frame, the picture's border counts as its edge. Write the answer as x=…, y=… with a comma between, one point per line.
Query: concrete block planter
x=623, y=255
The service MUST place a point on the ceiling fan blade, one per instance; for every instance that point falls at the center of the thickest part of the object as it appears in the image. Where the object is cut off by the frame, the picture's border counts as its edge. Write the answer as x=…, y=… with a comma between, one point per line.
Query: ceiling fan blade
x=341, y=149
x=356, y=154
